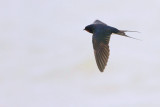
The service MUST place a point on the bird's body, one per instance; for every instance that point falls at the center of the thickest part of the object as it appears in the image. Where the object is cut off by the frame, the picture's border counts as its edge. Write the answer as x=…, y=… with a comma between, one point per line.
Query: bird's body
x=100, y=39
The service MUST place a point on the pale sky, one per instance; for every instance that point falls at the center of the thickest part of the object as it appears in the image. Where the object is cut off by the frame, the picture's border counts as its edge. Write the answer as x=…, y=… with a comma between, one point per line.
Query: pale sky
x=47, y=59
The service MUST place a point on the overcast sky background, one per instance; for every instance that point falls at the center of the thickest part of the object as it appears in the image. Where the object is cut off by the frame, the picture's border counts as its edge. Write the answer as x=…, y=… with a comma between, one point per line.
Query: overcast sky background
x=47, y=59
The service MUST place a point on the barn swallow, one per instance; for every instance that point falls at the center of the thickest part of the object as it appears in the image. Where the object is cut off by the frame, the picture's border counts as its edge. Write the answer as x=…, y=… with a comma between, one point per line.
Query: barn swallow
x=100, y=39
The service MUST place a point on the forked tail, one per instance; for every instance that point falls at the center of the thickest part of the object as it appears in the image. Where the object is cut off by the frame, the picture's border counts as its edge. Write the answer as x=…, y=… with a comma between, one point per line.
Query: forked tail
x=122, y=33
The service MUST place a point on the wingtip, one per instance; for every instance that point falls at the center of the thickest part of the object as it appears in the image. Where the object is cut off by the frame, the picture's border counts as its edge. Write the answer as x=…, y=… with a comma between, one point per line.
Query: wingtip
x=101, y=70
x=97, y=20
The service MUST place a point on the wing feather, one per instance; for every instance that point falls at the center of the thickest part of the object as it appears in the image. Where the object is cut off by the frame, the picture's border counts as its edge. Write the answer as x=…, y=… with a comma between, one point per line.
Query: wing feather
x=98, y=22
x=101, y=51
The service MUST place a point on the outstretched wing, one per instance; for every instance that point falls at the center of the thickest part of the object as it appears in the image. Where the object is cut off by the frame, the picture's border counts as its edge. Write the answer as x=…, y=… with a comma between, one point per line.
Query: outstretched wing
x=98, y=22
x=101, y=51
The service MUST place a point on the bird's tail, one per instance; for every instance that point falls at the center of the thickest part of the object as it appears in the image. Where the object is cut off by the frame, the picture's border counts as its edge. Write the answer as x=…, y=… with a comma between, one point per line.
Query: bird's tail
x=122, y=33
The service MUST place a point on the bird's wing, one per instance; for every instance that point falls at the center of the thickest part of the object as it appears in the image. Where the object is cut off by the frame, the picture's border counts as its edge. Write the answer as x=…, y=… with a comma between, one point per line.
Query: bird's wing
x=98, y=22
x=101, y=51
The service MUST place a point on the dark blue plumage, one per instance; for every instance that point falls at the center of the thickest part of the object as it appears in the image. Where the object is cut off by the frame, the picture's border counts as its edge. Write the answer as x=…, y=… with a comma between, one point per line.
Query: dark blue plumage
x=100, y=39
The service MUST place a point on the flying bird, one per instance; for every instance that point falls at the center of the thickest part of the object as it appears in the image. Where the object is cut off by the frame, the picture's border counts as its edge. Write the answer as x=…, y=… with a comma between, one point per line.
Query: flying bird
x=100, y=39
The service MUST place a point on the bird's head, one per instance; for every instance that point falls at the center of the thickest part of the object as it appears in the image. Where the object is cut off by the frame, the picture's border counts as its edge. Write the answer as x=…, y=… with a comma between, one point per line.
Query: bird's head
x=89, y=28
